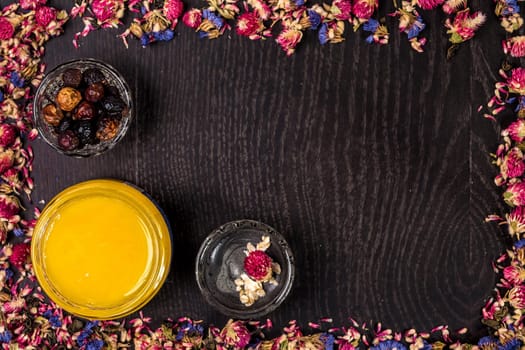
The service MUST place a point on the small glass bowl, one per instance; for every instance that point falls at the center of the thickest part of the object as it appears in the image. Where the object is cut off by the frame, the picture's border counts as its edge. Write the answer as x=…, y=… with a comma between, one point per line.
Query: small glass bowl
x=49, y=88
x=220, y=261
x=157, y=234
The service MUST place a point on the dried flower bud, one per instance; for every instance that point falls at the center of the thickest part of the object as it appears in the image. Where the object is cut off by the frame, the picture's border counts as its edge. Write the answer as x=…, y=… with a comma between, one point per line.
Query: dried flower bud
x=68, y=98
x=9, y=206
x=8, y=134
x=7, y=158
x=107, y=128
x=52, y=115
x=85, y=111
x=19, y=255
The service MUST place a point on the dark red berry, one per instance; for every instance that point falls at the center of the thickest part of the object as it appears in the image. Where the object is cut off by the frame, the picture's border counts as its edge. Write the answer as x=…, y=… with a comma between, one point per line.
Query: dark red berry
x=72, y=77
x=92, y=76
x=85, y=111
x=113, y=104
x=68, y=140
x=94, y=92
x=86, y=132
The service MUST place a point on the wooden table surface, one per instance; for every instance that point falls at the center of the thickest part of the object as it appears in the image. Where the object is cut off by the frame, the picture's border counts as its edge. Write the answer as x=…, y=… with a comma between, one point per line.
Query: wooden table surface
x=372, y=162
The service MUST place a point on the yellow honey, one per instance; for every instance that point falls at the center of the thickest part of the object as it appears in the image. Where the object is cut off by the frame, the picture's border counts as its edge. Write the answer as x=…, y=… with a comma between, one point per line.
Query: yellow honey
x=101, y=249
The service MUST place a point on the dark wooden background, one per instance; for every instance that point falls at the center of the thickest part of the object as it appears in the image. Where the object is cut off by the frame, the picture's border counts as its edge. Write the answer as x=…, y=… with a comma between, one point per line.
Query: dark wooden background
x=372, y=162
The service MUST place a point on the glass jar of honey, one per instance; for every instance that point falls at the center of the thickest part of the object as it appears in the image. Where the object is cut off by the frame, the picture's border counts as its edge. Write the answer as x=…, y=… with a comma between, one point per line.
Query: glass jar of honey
x=101, y=249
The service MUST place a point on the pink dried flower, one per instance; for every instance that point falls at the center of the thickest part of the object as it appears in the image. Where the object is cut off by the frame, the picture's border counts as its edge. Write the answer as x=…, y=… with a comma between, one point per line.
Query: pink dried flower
x=173, y=10
x=261, y=7
x=7, y=159
x=512, y=165
x=45, y=15
x=464, y=25
x=429, y=4
x=31, y=4
x=343, y=9
x=515, y=46
x=288, y=40
x=451, y=6
x=249, y=24
x=105, y=10
x=7, y=30
x=192, y=18
x=516, y=130
x=258, y=265
x=9, y=206
x=8, y=134
x=514, y=274
x=516, y=81
x=235, y=334
x=515, y=194
x=516, y=297
x=516, y=221
x=19, y=255
x=364, y=9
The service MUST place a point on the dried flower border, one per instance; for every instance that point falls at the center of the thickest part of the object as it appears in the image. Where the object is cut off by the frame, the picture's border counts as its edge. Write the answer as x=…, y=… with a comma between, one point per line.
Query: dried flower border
x=29, y=321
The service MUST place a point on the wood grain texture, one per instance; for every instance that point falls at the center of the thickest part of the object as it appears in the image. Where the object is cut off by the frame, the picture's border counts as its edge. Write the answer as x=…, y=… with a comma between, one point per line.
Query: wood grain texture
x=371, y=161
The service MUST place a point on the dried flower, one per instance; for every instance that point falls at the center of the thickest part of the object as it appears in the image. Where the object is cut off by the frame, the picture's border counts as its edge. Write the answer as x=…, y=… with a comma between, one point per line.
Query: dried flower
x=288, y=40
x=107, y=10
x=7, y=158
x=9, y=206
x=342, y=9
x=235, y=334
x=364, y=9
x=45, y=15
x=7, y=30
x=429, y=4
x=512, y=165
x=8, y=134
x=515, y=194
x=452, y=6
x=258, y=265
x=516, y=297
x=192, y=18
x=516, y=81
x=19, y=255
x=173, y=10
x=515, y=46
x=514, y=274
x=464, y=26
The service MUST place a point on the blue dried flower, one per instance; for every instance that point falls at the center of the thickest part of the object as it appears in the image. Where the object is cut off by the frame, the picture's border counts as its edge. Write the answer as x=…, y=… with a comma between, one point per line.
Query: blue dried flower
x=416, y=28
x=8, y=274
x=203, y=35
x=328, y=341
x=389, y=345
x=1, y=96
x=314, y=18
x=487, y=342
x=217, y=21
x=55, y=321
x=512, y=7
x=371, y=25
x=144, y=40
x=5, y=337
x=189, y=328
x=18, y=232
x=165, y=35
x=86, y=333
x=298, y=2
x=513, y=344
x=520, y=244
x=323, y=34
x=16, y=79
x=143, y=10
x=95, y=345
x=521, y=103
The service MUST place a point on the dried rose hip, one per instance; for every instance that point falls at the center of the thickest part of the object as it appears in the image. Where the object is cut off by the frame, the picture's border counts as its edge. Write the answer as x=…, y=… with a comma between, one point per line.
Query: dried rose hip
x=64, y=125
x=92, y=76
x=68, y=141
x=107, y=128
x=113, y=104
x=84, y=111
x=72, y=77
x=86, y=132
x=94, y=92
x=52, y=115
x=68, y=98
